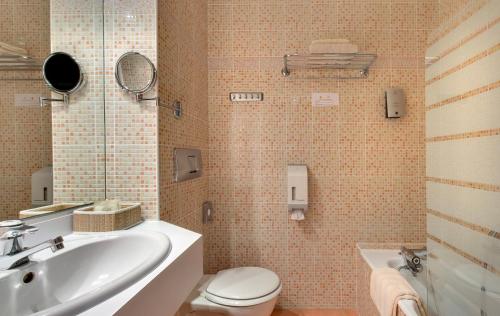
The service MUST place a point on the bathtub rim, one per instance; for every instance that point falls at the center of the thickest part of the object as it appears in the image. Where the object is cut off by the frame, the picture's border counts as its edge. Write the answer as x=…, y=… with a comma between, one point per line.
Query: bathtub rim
x=391, y=251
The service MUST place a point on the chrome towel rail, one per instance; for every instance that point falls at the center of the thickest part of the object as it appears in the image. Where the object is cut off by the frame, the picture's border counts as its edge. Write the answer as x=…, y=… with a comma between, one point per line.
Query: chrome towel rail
x=21, y=79
x=8, y=62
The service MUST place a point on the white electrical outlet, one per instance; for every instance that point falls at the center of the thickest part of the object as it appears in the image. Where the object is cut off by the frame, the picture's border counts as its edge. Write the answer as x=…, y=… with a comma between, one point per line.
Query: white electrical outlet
x=246, y=96
x=27, y=99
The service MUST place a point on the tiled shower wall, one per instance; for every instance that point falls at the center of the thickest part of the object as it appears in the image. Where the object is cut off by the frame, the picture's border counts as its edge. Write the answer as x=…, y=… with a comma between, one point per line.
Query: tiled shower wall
x=182, y=65
x=463, y=146
x=367, y=173
x=25, y=129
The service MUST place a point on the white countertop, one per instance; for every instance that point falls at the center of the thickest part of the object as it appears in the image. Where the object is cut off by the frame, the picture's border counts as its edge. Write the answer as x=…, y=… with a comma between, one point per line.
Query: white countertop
x=186, y=254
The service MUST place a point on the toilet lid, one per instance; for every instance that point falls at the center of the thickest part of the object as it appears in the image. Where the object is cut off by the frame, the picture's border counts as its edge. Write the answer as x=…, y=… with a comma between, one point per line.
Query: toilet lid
x=245, y=283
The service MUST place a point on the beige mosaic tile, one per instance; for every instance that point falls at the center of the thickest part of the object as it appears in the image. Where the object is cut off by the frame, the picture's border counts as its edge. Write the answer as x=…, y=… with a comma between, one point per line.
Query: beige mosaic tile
x=365, y=171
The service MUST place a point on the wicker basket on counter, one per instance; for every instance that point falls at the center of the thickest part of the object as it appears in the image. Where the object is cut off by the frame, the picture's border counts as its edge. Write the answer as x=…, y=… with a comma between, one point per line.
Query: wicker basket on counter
x=87, y=220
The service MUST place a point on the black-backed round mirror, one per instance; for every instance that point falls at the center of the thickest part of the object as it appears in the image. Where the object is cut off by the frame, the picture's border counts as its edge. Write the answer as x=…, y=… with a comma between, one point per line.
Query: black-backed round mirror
x=135, y=73
x=62, y=73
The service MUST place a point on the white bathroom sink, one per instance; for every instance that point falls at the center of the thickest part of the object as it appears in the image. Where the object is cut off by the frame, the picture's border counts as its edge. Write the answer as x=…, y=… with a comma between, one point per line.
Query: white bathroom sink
x=91, y=269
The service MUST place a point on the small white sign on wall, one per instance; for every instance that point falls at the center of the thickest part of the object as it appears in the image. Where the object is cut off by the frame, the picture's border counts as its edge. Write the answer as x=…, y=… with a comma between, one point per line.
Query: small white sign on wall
x=325, y=99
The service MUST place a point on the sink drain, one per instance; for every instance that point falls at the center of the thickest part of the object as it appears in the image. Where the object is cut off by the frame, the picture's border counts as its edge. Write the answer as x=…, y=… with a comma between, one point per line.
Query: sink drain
x=28, y=277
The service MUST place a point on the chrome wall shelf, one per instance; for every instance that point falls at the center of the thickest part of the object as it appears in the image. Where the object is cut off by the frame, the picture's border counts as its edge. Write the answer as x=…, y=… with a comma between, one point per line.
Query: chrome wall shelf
x=20, y=79
x=18, y=62
x=356, y=61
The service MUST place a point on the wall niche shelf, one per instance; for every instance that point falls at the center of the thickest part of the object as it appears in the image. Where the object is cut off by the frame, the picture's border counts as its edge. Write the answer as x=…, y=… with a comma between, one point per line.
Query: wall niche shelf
x=358, y=62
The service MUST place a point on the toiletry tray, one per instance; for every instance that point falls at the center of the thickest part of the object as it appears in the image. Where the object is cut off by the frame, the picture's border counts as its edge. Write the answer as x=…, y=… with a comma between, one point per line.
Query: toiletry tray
x=88, y=220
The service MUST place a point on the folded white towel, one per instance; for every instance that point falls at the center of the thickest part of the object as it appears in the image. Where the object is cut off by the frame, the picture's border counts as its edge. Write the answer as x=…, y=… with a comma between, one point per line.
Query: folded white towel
x=332, y=46
x=12, y=50
x=387, y=288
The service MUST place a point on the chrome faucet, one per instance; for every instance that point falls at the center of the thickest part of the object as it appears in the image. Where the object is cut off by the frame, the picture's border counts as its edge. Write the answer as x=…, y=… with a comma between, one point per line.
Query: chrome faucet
x=13, y=254
x=412, y=260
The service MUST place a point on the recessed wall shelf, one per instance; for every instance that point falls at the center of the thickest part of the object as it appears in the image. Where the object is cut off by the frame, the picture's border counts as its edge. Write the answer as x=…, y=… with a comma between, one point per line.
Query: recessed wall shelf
x=356, y=61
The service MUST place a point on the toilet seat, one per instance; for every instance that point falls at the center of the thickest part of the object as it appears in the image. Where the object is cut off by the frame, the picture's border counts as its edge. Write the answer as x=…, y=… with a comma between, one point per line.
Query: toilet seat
x=244, y=286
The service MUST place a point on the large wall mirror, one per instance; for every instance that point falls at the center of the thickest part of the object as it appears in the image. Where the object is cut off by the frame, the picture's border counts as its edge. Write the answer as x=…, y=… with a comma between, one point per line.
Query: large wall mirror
x=53, y=152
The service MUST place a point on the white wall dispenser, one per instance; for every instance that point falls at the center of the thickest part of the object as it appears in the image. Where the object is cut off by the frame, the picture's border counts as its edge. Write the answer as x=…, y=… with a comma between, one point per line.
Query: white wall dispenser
x=395, y=103
x=297, y=191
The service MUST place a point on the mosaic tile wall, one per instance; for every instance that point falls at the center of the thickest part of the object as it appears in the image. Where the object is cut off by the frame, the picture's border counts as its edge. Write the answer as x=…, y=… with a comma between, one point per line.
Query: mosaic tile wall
x=182, y=64
x=367, y=173
x=25, y=129
x=131, y=127
x=78, y=128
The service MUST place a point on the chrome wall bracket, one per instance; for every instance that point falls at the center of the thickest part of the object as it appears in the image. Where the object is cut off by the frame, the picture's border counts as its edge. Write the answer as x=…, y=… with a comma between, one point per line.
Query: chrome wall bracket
x=207, y=212
x=44, y=100
x=175, y=106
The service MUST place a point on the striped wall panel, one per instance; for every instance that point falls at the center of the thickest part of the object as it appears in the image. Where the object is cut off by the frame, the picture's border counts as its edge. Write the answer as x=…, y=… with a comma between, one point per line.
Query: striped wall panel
x=460, y=83
x=478, y=207
x=458, y=285
x=477, y=42
x=480, y=112
x=487, y=12
x=469, y=159
x=463, y=165
x=479, y=247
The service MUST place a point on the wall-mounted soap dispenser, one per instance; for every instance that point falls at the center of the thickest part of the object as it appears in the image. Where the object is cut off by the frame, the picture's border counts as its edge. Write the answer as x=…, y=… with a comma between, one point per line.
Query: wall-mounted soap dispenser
x=297, y=191
x=395, y=103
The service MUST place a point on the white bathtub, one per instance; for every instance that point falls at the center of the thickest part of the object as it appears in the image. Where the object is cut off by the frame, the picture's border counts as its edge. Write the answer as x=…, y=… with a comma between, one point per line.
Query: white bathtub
x=379, y=258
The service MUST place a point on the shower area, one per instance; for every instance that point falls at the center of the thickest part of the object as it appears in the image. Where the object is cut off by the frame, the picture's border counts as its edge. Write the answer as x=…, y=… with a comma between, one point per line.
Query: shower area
x=462, y=124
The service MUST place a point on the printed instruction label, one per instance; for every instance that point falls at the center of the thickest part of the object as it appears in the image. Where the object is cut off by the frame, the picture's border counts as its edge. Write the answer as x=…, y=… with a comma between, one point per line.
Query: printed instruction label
x=325, y=99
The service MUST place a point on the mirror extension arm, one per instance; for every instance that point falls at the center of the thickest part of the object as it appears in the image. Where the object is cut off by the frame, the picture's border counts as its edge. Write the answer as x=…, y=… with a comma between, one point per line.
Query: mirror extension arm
x=44, y=100
x=176, y=105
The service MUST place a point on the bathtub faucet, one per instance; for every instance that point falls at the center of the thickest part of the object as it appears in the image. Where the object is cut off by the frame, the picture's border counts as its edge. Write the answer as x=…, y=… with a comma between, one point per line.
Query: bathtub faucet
x=412, y=260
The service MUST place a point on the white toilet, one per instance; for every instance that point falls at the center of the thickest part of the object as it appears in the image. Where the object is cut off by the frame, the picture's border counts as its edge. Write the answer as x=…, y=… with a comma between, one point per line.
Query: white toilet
x=246, y=291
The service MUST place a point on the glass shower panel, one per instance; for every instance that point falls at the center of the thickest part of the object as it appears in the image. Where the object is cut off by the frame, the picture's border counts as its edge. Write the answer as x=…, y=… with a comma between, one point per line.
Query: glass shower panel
x=463, y=173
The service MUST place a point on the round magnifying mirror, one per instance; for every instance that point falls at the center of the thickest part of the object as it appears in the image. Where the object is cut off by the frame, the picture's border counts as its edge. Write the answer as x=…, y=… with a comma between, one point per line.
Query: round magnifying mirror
x=135, y=73
x=62, y=73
